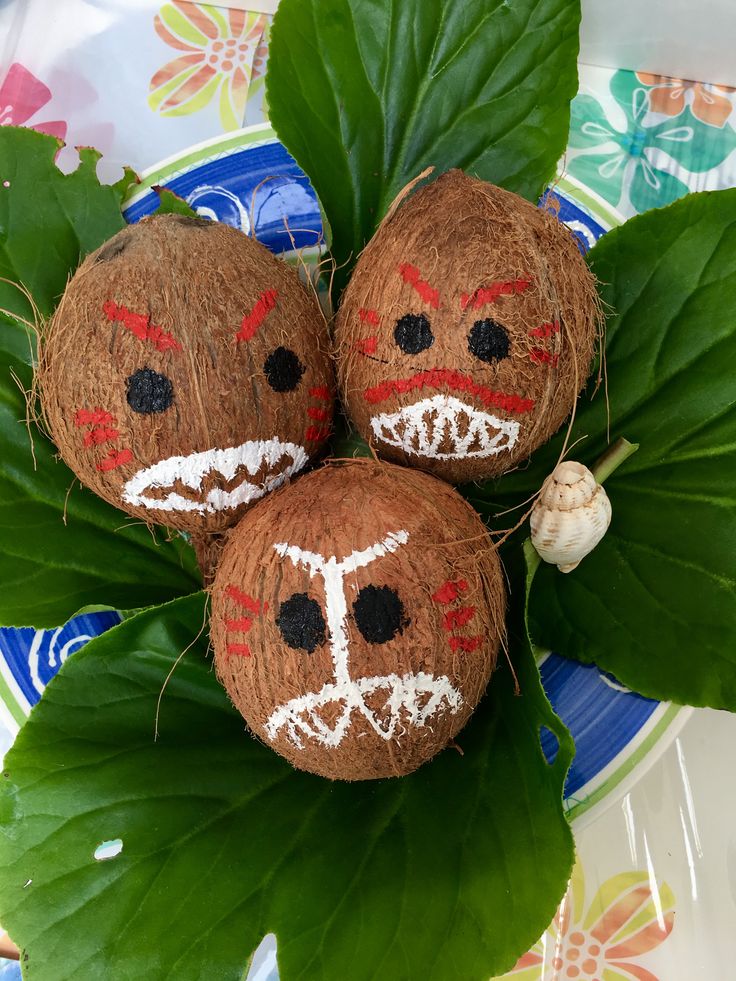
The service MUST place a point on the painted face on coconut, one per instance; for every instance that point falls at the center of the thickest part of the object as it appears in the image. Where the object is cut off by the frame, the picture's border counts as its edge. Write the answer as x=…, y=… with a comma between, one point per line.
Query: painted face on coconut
x=467, y=330
x=185, y=373
x=356, y=619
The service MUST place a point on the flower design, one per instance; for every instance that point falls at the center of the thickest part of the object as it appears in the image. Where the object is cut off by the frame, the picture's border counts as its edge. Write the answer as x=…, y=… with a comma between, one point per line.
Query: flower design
x=629, y=916
x=646, y=164
x=21, y=96
x=710, y=103
x=217, y=48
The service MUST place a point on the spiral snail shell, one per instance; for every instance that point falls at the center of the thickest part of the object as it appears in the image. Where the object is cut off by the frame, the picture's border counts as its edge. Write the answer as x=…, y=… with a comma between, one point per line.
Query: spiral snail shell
x=570, y=516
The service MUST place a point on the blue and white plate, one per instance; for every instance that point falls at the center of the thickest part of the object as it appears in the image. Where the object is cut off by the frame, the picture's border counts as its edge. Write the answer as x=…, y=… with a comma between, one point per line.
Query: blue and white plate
x=250, y=181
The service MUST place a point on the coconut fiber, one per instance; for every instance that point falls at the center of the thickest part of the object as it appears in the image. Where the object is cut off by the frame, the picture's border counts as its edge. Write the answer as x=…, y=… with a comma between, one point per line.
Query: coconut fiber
x=356, y=618
x=466, y=331
x=185, y=373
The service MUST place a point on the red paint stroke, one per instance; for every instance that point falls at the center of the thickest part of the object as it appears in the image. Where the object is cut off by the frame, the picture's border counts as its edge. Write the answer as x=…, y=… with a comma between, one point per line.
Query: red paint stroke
x=449, y=591
x=246, y=601
x=369, y=317
x=366, y=345
x=89, y=417
x=448, y=378
x=239, y=626
x=321, y=415
x=489, y=294
x=538, y=356
x=239, y=650
x=320, y=392
x=466, y=644
x=458, y=618
x=546, y=330
x=100, y=434
x=314, y=434
x=410, y=274
x=140, y=326
x=115, y=458
x=253, y=320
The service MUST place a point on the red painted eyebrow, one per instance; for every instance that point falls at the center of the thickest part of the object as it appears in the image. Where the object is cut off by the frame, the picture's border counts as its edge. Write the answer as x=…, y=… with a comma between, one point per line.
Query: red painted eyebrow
x=140, y=326
x=489, y=294
x=255, y=317
x=410, y=274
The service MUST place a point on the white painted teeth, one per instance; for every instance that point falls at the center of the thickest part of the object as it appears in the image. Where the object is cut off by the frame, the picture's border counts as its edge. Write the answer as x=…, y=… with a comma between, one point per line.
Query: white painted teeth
x=190, y=471
x=445, y=428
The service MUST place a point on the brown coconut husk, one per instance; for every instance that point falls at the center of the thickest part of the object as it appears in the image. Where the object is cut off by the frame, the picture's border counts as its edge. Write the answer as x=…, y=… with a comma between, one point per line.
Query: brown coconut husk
x=462, y=235
x=447, y=622
x=169, y=297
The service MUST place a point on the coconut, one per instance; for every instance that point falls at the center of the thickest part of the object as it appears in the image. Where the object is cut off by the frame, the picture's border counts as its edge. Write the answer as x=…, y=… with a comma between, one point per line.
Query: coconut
x=357, y=617
x=186, y=372
x=467, y=330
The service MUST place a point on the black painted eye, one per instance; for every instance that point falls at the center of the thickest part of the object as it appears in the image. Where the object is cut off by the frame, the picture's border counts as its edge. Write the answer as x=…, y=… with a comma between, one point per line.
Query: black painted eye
x=488, y=341
x=413, y=333
x=283, y=370
x=149, y=391
x=301, y=623
x=379, y=614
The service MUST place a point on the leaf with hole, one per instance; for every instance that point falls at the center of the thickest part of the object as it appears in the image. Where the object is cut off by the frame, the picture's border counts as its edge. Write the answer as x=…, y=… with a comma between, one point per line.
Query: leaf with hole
x=61, y=547
x=445, y=875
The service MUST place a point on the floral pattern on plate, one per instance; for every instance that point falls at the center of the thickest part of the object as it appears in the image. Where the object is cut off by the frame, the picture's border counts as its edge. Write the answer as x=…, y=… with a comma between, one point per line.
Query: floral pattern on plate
x=216, y=53
x=636, y=156
x=629, y=916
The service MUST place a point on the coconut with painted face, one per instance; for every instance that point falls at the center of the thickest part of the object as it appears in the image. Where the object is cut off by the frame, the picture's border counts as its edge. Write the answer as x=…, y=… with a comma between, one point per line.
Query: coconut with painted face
x=356, y=618
x=185, y=373
x=467, y=330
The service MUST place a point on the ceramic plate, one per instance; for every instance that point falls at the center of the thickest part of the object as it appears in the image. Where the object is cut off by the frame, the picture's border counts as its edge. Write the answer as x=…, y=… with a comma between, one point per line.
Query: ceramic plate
x=250, y=181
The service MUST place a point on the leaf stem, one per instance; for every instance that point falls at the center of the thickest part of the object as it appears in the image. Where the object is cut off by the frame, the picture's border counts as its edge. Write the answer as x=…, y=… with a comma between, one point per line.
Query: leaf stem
x=612, y=459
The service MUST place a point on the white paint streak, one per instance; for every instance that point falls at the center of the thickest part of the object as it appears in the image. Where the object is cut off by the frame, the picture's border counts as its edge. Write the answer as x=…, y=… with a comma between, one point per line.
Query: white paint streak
x=191, y=471
x=300, y=716
x=423, y=427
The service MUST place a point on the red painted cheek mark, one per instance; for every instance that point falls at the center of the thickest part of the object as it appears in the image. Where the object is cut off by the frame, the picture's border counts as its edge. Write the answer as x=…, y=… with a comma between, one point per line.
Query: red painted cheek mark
x=238, y=650
x=92, y=417
x=313, y=434
x=465, y=644
x=366, y=345
x=100, y=434
x=449, y=591
x=410, y=274
x=458, y=618
x=246, y=601
x=369, y=317
x=489, y=294
x=115, y=458
x=546, y=330
x=316, y=434
x=538, y=356
x=253, y=320
x=140, y=326
x=242, y=625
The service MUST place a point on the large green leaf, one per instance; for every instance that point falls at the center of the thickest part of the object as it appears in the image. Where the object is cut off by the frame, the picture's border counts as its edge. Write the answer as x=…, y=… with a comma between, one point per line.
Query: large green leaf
x=365, y=95
x=446, y=875
x=655, y=603
x=48, y=567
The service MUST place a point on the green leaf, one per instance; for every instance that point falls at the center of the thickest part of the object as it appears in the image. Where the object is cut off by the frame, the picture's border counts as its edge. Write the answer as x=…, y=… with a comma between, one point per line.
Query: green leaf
x=170, y=203
x=365, y=95
x=655, y=603
x=446, y=875
x=61, y=547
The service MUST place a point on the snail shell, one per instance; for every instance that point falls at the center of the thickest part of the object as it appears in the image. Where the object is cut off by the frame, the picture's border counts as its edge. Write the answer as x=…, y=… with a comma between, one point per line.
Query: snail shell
x=570, y=516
